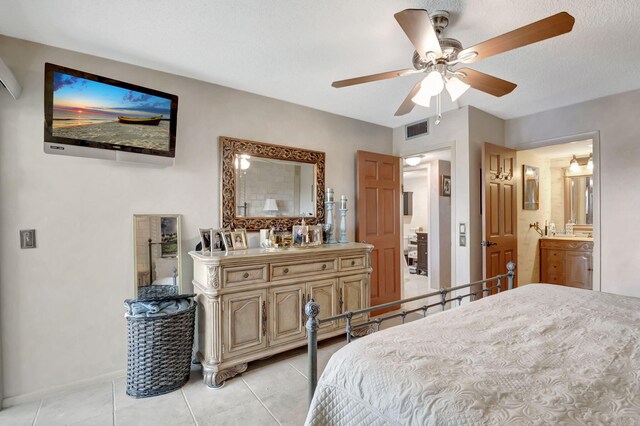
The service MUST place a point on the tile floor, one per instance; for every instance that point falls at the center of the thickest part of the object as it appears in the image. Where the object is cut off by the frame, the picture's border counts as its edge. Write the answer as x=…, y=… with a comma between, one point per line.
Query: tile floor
x=271, y=392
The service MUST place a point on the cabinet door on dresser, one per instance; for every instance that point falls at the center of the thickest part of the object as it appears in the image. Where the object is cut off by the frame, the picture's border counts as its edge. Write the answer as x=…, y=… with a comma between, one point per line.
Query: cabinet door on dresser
x=325, y=294
x=353, y=294
x=286, y=312
x=244, y=322
x=578, y=269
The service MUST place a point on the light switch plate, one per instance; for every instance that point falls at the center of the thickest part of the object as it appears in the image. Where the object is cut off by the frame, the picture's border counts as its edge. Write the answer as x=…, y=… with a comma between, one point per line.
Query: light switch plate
x=27, y=238
x=463, y=228
x=463, y=240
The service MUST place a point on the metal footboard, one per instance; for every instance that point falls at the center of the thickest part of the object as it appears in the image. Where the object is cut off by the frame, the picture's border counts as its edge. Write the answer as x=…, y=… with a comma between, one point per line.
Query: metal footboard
x=312, y=309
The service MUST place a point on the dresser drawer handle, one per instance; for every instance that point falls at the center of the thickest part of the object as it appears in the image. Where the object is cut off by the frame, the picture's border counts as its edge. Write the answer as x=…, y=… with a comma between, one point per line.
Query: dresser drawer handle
x=353, y=263
x=286, y=270
x=245, y=275
x=324, y=266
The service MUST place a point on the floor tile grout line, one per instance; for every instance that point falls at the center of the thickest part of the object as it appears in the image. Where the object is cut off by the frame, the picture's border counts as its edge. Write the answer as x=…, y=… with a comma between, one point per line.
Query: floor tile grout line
x=35, y=419
x=186, y=401
x=301, y=373
x=260, y=401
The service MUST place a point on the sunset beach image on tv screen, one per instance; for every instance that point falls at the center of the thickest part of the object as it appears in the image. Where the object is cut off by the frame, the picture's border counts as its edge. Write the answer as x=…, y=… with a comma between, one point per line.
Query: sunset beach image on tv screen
x=98, y=112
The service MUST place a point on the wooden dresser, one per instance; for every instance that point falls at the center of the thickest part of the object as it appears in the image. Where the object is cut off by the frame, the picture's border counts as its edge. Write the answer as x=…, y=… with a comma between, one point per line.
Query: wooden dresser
x=423, y=256
x=567, y=261
x=251, y=302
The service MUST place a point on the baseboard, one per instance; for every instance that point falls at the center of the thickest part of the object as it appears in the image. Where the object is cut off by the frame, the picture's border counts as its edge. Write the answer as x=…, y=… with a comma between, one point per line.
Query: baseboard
x=55, y=390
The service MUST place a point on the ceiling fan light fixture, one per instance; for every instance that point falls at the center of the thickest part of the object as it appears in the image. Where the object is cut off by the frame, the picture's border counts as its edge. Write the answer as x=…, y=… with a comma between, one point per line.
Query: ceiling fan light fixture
x=433, y=83
x=413, y=161
x=456, y=88
x=422, y=98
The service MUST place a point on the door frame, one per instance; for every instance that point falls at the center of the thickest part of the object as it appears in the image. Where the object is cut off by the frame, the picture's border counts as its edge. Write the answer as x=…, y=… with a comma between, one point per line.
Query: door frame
x=451, y=146
x=597, y=228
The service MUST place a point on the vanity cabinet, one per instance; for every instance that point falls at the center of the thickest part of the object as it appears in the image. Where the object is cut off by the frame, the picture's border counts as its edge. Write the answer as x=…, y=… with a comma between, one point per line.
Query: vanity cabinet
x=566, y=262
x=251, y=302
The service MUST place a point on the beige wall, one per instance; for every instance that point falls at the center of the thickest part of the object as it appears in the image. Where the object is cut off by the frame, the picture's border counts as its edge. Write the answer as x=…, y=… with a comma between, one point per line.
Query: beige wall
x=451, y=133
x=557, y=192
x=528, y=247
x=483, y=127
x=614, y=120
x=61, y=312
x=440, y=238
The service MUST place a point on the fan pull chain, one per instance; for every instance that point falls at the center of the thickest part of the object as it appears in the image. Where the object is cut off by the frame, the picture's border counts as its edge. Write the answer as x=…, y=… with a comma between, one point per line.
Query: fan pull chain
x=438, y=110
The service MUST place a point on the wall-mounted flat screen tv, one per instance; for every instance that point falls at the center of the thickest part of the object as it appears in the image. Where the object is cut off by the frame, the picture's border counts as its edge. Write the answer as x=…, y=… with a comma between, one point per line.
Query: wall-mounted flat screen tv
x=93, y=116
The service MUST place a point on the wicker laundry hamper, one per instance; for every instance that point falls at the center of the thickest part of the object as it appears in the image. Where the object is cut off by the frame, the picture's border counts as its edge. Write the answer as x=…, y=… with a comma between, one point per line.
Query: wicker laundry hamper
x=159, y=349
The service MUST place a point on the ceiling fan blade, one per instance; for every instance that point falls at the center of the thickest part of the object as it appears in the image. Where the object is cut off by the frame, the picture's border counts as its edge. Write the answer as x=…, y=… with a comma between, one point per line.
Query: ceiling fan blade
x=552, y=26
x=407, y=104
x=374, y=77
x=416, y=24
x=487, y=83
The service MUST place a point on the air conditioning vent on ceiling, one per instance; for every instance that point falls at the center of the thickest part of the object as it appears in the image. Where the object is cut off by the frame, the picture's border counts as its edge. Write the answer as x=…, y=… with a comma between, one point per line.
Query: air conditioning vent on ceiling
x=417, y=129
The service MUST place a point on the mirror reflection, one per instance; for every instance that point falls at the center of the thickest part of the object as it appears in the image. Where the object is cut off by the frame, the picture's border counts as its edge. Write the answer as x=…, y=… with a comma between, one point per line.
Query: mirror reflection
x=156, y=255
x=268, y=187
x=530, y=193
x=580, y=199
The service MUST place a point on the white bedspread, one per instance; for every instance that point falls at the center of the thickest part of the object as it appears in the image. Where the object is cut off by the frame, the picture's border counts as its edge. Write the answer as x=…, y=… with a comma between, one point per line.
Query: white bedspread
x=540, y=354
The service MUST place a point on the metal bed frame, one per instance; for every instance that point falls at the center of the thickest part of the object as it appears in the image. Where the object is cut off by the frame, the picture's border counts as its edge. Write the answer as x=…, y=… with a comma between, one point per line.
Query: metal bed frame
x=312, y=310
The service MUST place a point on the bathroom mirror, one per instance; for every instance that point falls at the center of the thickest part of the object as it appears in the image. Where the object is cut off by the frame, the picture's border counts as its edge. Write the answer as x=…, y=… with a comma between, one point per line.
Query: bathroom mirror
x=578, y=199
x=157, y=248
x=266, y=185
x=531, y=191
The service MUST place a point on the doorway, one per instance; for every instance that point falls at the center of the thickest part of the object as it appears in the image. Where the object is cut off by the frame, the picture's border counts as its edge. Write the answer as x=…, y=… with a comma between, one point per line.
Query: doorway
x=565, y=206
x=426, y=222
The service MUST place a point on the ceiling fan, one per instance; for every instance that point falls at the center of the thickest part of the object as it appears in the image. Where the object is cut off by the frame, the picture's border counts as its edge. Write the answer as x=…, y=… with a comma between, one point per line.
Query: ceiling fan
x=436, y=56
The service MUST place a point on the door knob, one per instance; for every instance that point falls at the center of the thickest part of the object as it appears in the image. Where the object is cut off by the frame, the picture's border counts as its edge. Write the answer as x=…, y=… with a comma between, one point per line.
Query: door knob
x=488, y=244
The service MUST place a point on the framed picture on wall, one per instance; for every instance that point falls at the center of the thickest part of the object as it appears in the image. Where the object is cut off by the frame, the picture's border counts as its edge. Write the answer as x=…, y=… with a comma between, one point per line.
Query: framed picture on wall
x=169, y=236
x=445, y=186
x=530, y=187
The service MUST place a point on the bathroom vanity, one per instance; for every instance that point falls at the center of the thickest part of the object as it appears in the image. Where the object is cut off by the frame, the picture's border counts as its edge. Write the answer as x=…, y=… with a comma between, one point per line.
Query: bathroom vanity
x=567, y=261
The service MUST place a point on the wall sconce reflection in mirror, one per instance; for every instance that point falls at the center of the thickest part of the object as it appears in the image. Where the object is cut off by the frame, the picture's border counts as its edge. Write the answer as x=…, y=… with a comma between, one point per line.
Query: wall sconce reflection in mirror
x=530, y=187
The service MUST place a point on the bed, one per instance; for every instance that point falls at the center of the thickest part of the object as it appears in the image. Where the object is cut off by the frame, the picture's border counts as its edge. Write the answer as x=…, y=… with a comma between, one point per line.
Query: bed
x=540, y=354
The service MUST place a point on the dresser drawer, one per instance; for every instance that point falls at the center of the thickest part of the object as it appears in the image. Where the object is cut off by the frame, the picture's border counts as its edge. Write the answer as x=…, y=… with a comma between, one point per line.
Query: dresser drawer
x=352, y=262
x=300, y=269
x=233, y=277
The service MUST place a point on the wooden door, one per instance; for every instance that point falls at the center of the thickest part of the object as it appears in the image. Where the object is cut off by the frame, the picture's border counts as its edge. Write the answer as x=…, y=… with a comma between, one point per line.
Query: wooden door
x=325, y=293
x=378, y=224
x=285, y=314
x=244, y=324
x=500, y=190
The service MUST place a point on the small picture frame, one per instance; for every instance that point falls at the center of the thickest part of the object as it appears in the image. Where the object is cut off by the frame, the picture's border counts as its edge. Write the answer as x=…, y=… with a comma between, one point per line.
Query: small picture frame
x=239, y=237
x=228, y=239
x=445, y=186
x=27, y=238
x=218, y=241
x=307, y=235
x=205, y=239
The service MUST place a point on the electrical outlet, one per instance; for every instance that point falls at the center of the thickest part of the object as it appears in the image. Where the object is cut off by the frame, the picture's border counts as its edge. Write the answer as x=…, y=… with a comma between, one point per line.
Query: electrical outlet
x=27, y=238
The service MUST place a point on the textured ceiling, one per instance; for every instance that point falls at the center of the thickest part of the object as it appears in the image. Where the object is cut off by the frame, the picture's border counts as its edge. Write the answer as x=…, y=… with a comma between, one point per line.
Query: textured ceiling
x=293, y=50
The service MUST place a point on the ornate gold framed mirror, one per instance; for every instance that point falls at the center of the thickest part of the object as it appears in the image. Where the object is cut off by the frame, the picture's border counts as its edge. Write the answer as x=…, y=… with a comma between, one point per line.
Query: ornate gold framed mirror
x=265, y=185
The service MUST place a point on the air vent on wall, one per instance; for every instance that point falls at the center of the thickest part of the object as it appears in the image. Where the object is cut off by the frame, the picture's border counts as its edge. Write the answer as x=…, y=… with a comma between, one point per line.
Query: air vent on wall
x=417, y=129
